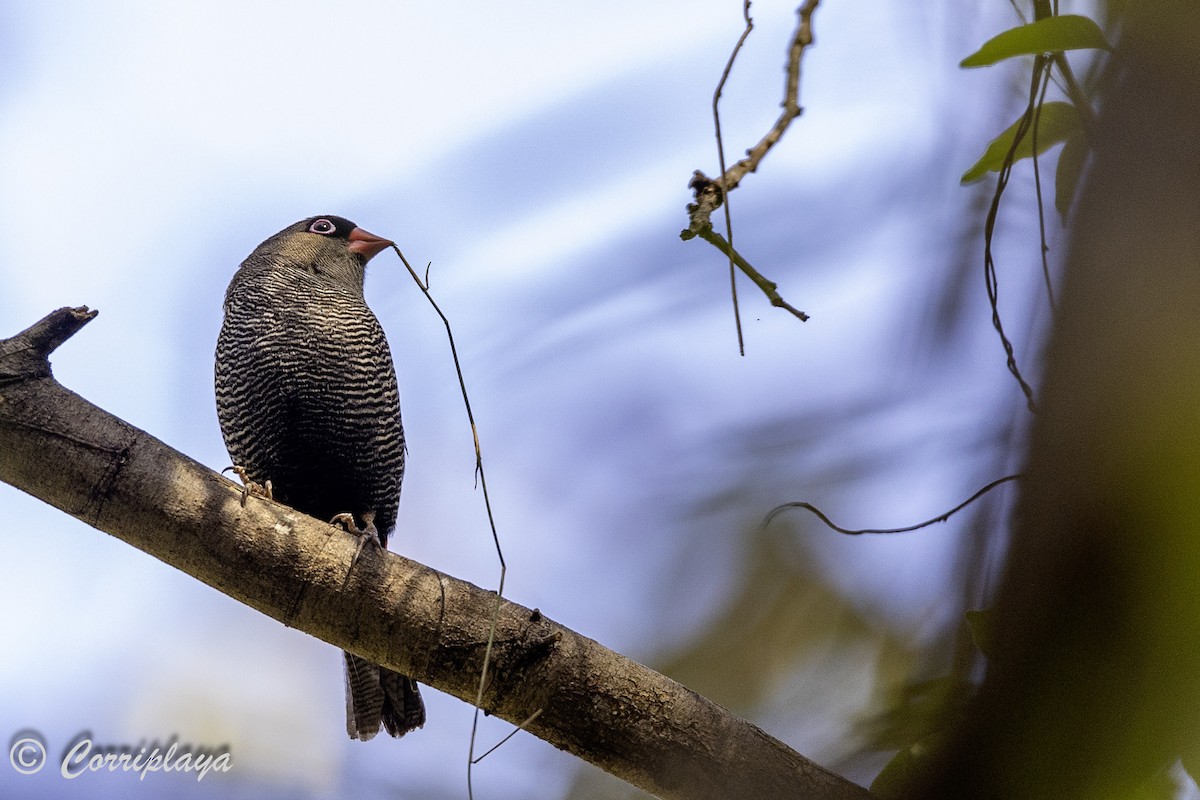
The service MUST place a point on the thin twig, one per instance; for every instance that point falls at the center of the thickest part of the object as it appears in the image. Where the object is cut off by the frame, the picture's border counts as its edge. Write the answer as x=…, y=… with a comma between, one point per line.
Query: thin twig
x=481, y=477
x=1037, y=189
x=768, y=288
x=1044, y=10
x=737, y=316
x=849, y=532
x=1078, y=97
x=989, y=229
x=709, y=193
x=801, y=39
x=511, y=734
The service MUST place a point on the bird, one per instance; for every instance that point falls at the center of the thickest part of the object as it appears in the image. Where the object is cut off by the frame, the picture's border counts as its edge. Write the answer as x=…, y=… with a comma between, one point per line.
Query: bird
x=309, y=408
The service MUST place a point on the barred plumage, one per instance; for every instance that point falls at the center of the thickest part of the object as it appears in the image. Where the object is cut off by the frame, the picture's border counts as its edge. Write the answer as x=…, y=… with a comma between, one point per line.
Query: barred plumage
x=307, y=399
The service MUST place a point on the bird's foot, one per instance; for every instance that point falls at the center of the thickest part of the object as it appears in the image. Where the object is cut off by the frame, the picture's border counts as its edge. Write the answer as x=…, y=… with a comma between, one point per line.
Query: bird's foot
x=346, y=520
x=367, y=533
x=249, y=487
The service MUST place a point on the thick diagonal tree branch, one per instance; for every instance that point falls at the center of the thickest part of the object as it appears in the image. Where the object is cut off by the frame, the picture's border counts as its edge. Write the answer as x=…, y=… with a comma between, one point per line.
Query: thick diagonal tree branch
x=599, y=705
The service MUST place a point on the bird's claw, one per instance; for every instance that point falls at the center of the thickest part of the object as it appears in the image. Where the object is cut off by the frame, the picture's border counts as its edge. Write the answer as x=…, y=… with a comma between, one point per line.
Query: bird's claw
x=346, y=521
x=367, y=533
x=249, y=487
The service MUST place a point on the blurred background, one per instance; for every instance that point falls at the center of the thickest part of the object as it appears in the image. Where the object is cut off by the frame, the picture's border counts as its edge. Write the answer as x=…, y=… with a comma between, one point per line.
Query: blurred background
x=538, y=155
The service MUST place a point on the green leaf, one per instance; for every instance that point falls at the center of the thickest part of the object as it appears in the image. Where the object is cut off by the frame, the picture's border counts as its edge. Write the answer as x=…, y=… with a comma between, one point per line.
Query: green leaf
x=1070, y=169
x=1050, y=35
x=1058, y=122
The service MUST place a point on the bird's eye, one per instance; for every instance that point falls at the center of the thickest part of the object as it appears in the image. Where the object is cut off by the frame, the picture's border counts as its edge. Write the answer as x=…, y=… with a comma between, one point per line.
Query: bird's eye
x=322, y=226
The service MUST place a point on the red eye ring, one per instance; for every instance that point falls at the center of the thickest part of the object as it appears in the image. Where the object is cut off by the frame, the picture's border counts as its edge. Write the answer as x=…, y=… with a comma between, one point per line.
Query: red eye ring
x=323, y=227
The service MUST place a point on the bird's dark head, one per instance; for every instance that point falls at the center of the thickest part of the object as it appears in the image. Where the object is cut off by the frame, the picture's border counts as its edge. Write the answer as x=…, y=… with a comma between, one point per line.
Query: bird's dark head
x=328, y=246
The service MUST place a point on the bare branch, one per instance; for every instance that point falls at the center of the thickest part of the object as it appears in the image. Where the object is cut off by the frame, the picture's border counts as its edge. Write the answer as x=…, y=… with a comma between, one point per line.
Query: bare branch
x=563, y=687
x=991, y=279
x=768, y=288
x=709, y=192
x=801, y=39
x=716, y=109
x=27, y=354
x=945, y=515
x=481, y=476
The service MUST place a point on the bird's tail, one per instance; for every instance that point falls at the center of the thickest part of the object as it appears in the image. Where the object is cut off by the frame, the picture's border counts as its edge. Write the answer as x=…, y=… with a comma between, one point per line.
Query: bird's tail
x=377, y=696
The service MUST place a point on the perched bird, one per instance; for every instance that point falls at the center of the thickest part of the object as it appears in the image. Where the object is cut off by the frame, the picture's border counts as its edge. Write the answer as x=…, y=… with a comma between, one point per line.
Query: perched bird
x=307, y=400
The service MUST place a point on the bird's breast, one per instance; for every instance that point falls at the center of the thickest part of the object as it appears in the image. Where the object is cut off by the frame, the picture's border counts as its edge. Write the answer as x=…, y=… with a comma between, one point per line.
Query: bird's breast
x=307, y=397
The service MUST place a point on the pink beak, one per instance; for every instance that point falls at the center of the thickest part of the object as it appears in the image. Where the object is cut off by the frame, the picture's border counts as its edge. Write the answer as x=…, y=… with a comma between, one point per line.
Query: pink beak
x=367, y=244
